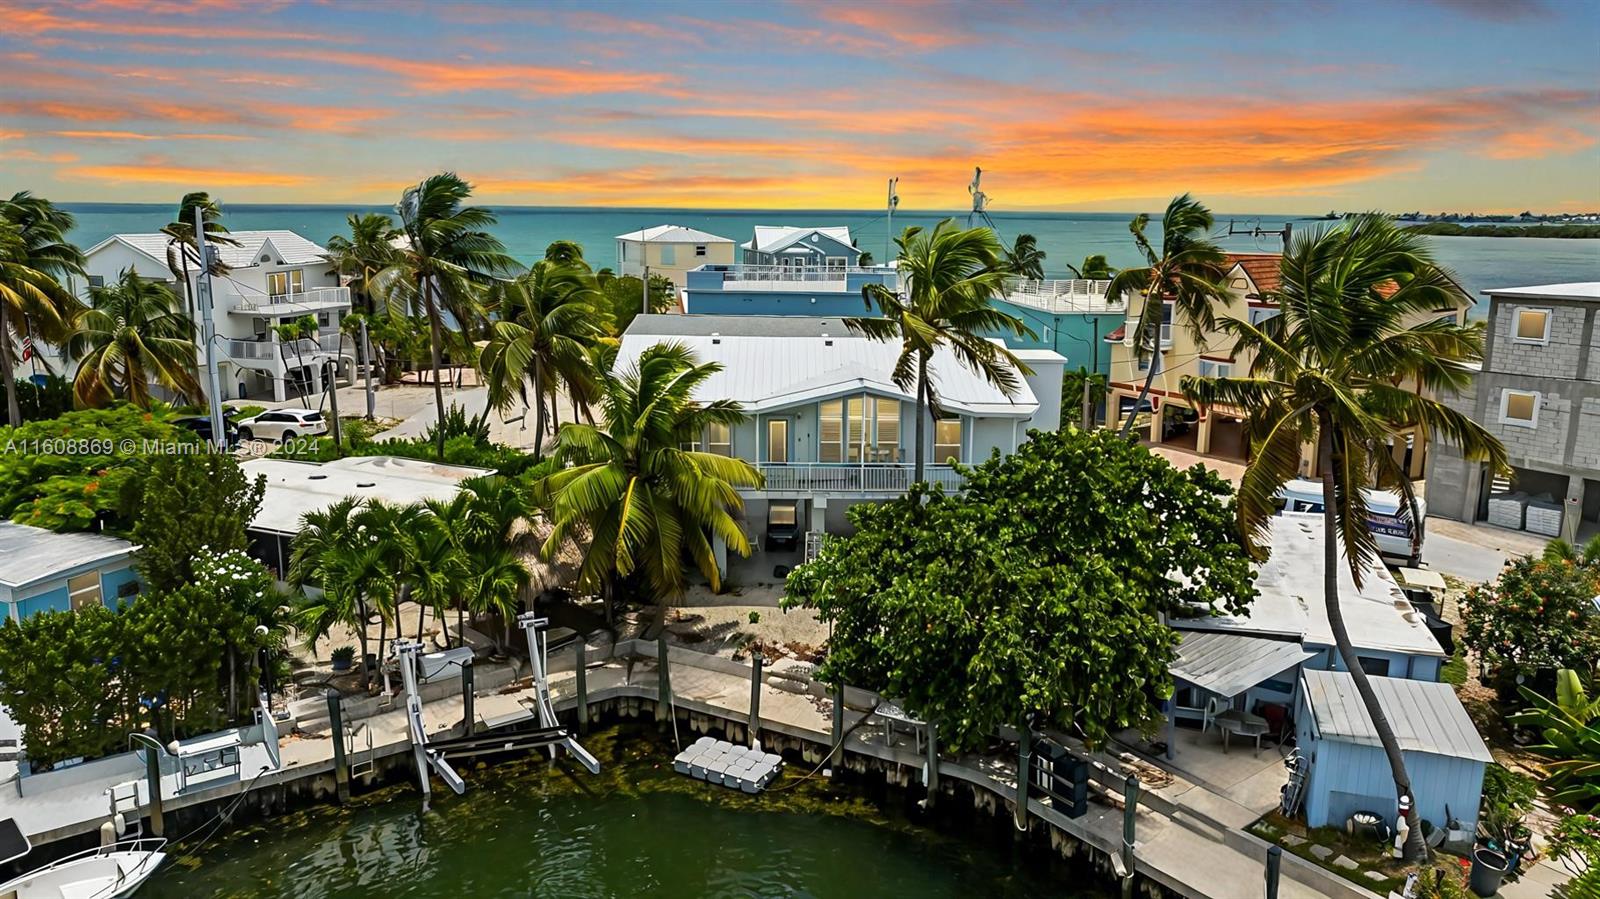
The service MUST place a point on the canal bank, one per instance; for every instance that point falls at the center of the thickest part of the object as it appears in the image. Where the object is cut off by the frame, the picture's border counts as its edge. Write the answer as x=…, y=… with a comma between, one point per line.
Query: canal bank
x=1187, y=841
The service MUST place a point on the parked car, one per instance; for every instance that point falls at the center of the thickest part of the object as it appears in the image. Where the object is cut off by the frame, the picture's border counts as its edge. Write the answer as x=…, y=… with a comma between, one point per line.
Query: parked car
x=1385, y=520
x=201, y=426
x=283, y=424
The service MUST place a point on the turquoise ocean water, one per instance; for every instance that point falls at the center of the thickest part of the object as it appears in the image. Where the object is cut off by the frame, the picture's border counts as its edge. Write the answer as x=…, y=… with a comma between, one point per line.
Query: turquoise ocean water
x=1479, y=262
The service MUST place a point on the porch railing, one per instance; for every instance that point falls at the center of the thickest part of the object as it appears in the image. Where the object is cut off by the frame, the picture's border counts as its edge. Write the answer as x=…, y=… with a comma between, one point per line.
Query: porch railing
x=1066, y=295
x=316, y=296
x=871, y=477
x=286, y=351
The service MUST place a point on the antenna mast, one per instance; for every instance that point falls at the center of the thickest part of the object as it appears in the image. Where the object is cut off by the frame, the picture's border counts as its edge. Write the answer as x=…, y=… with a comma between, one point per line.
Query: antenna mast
x=894, y=200
x=980, y=202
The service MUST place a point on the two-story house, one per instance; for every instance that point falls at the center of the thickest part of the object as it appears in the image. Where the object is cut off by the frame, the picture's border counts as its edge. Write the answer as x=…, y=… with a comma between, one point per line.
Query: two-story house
x=1167, y=416
x=787, y=271
x=1539, y=393
x=828, y=428
x=273, y=277
x=671, y=251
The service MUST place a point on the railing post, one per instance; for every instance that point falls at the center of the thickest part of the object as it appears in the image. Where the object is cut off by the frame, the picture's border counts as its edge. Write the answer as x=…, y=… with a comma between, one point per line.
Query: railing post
x=152, y=773
x=933, y=765
x=1274, y=861
x=663, y=684
x=837, y=752
x=341, y=764
x=756, y=661
x=1130, y=812
x=583, y=684
x=469, y=720
x=1024, y=757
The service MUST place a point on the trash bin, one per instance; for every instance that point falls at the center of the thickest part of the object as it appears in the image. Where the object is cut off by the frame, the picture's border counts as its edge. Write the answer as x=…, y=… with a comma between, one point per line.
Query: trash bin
x=1488, y=867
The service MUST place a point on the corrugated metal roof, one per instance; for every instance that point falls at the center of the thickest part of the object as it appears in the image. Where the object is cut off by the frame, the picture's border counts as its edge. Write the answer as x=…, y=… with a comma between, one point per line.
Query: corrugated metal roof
x=1425, y=716
x=770, y=362
x=772, y=238
x=1229, y=664
x=673, y=234
x=288, y=246
x=29, y=554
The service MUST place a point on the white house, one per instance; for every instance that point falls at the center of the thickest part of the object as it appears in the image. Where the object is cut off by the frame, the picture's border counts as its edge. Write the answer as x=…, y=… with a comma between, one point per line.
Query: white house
x=786, y=246
x=670, y=251
x=273, y=277
x=827, y=427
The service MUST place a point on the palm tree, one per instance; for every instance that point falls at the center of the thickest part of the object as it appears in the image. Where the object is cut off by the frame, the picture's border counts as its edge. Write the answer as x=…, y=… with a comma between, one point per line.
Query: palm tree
x=1024, y=258
x=1094, y=268
x=565, y=252
x=495, y=586
x=330, y=554
x=644, y=501
x=545, y=321
x=368, y=250
x=1330, y=367
x=133, y=334
x=435, y=571
x=1189, y=270
x=1586, y=556
x=447, y=250
x=950, y=276
x=34, y=255
x=291, y=332
x=456, y=522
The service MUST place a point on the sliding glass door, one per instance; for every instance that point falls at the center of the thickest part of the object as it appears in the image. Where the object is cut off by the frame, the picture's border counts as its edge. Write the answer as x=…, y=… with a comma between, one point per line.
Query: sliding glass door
x=859, y=429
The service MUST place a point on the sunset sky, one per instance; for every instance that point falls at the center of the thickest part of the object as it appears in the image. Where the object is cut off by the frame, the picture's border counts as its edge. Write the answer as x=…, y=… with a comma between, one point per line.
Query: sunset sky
x=1466, y=105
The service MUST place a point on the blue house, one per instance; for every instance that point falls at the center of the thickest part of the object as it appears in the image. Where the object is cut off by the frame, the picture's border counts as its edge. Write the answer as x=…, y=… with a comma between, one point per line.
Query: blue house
x=42, y=570
x=1443, y=753
x=788, y=271
x=789, y=247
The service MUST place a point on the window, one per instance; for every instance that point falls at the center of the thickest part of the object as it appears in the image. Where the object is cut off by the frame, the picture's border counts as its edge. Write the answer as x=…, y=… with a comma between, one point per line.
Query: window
x=859, y=429
x=1238, y=283
x=699, y=249
x=719, y=439
x=128, y=590
x=1533, y=326
x=1211, y=369
x=1520, y=408
x=1259, y=314
x=778, y=440
x=856, y=428
x=287, y=282
x=887, y=413
x=669, y=254
x=97, y=281
x=782, y=515
x=836, y=263
x=831, y=432
x=1166, y=325
x=946, y=441
x=83, y=589
x=322, y=319
x=1374, y=667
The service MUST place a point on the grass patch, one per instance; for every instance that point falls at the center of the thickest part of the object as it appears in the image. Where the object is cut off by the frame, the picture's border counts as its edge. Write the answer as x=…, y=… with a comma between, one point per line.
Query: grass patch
x=1454, y=671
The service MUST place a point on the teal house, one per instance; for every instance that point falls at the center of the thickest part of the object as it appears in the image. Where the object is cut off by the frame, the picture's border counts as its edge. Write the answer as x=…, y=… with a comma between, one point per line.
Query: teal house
x=42, y=570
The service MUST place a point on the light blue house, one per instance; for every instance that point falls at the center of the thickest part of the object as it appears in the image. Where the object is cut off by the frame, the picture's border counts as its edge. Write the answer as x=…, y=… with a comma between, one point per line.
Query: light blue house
x=788, y=271
x=785, y=246
x=42, y=570
x=1286, y=632
x=1349, y=772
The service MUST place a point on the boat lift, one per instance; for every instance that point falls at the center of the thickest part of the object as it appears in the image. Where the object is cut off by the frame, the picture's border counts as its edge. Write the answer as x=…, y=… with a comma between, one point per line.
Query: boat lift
x=434, y=755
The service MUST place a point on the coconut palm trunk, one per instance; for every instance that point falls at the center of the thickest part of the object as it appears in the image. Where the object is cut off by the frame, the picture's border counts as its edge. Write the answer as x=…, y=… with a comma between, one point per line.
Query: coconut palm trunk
x=1144, y=391
x=1416, y=847
x=13, y=408
x=922, y=416
x=435, y=345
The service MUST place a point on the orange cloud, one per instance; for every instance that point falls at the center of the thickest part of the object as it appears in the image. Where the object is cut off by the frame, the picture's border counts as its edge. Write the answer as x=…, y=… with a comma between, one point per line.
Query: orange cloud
x=468, y=75
x=156, y=171
x=1537, y=143
x=911, y=24
x=25, y=155
x=134, y=135
x=34, y=21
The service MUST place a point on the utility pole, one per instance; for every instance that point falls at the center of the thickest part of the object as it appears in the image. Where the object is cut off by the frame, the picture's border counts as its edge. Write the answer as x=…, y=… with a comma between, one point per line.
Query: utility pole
x=366, y=357
x=894, y=201
x=332, y=373
x=645, y=298
x=208, y=329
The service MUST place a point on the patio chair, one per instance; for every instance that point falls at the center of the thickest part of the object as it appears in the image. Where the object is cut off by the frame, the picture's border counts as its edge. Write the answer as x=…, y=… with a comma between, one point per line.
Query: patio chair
x=1215, y=706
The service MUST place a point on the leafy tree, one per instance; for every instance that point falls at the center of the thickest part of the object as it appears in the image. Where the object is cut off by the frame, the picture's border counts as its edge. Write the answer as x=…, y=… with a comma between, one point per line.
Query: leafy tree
x=33, y=254
x=1358, y=303
x=132, y=336
x=67, y=473
x=50, y=398
x=368, y=250
x=1575, y=841
x=1024, y=258
x=545, y=322
x=1586, y=556
x=1094, y=268
x=624, y=298
x=950, y=276
x=290, y=333
x=1072, y=384
x=1537, y=615
x=448, y=249
x=1189, y=269
x=193, y=507
x=645, y=501
x=1036, y=593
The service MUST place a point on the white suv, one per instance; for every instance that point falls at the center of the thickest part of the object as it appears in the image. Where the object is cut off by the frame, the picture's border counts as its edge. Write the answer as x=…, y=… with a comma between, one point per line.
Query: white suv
x=283, y=424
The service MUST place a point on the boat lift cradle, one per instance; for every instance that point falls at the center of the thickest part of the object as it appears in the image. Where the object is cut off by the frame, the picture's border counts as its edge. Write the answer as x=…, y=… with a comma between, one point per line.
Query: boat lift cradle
x=433, y=755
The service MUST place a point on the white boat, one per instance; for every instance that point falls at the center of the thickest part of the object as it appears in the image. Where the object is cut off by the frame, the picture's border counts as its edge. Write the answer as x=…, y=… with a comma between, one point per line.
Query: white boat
x=107, y=872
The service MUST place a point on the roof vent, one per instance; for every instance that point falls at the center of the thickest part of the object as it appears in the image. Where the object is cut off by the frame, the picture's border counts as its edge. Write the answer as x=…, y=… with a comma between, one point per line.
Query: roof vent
x=827, y=343
x=366, y=484
x=716, y=341
x=318, y=477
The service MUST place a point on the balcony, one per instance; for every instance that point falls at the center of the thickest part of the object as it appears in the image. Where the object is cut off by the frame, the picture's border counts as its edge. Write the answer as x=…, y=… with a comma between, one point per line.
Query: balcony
x=317, y=299
x=1062, y=296
x=862, y=479
x=798, y=278
x=286, y=352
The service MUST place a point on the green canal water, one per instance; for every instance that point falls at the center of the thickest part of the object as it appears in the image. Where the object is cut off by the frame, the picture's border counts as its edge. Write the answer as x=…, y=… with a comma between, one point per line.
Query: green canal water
x=528, y=828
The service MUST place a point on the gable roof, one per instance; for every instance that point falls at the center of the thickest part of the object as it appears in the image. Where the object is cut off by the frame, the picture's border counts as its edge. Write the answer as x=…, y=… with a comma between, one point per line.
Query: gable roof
x=29, y=554
x=775, y=361
x=777, y=238
x=1260, y=268
x=1426, y=716
x=673, y=234
x=283, y=245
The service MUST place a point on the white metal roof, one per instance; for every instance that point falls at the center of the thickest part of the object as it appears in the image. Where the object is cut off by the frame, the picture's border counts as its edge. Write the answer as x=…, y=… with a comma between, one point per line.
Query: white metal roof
x=774, y=238
x=287, y=246
x=1289, y=600
x=29, y=554
x=1229, y=664
x=295, y=488
x=1587, y=291
x=770, y=362
x=673, y=234
x=1426, y=716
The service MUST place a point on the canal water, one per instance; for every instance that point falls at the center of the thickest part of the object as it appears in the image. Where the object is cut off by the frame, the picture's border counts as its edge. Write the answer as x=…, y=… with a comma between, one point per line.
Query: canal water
x=528, y=828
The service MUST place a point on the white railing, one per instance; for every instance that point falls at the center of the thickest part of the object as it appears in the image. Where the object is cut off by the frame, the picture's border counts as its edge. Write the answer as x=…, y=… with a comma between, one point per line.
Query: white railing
x=1069, y=295
x=316, y=296
x=746, y=272
x=870, y=477
x=288, y=351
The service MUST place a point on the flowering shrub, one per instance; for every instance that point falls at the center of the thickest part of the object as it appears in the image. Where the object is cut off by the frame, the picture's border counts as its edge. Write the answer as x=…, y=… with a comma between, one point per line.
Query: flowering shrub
x=1539, y=614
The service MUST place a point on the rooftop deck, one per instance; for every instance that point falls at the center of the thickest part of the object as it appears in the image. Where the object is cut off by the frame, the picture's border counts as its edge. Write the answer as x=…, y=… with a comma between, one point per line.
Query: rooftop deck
x=1062, y=296
x=808, y=278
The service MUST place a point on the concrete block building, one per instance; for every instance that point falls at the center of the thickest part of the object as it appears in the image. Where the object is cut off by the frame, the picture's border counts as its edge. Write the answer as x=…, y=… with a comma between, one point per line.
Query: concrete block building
x=1539, y=392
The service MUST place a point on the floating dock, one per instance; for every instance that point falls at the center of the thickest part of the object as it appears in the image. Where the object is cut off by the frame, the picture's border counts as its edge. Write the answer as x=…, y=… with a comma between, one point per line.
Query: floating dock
x=733, y=766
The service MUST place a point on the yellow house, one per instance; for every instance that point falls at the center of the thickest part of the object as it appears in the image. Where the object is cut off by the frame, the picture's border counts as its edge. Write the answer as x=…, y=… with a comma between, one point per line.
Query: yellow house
x=670, y=251
x=1169, y=417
